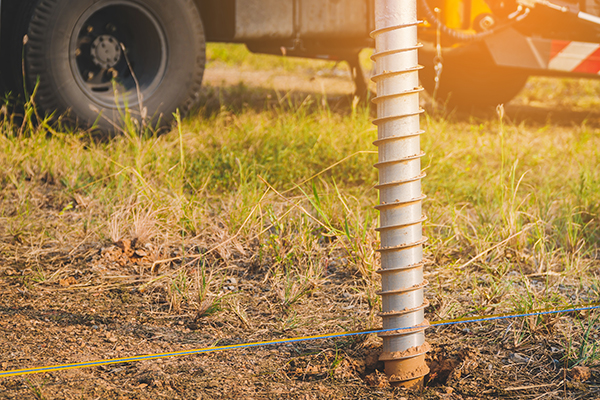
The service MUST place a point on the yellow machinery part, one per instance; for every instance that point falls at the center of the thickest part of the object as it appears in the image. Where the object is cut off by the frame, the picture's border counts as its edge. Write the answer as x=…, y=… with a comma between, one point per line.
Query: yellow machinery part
x=456, y=12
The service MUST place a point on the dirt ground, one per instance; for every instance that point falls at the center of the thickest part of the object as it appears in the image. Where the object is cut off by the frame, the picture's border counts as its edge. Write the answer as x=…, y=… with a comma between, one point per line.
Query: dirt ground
x=97, y=311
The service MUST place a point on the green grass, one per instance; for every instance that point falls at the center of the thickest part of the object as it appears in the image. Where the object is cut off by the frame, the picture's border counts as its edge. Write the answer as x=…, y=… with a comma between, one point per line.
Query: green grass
x=237, y=56
x=572, y=94
x=492, y=182
x=513, y=205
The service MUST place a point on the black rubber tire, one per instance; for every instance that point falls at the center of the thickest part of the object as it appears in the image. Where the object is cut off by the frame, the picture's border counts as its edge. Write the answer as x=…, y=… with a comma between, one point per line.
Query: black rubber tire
x=167, y=35
x=15, y=22
x=470, y=78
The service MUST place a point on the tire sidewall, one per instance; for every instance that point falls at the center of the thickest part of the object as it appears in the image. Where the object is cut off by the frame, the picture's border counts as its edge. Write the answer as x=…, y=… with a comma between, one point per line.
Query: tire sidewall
x=58, y=89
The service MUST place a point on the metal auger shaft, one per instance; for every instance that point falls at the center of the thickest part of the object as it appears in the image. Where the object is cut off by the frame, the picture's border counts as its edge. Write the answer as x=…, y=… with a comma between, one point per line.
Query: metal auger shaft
x=401, y=219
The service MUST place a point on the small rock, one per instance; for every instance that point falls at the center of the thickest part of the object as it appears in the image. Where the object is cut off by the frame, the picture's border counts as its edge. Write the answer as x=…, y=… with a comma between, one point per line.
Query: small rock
x=231, y=281
x=141, y=253
x=580, y=374
x=111, y=338
x=518, y=358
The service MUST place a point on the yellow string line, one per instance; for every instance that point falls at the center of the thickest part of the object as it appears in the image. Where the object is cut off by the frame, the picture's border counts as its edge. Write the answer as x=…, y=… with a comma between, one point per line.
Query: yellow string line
x=64, y=367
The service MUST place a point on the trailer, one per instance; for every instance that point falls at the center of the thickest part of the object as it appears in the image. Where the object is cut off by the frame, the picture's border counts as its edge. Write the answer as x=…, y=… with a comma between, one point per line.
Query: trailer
x=481, y=52
x=88, y=59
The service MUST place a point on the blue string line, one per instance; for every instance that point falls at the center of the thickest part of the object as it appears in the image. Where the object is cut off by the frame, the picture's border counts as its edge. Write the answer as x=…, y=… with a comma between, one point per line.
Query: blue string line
x=283, y=341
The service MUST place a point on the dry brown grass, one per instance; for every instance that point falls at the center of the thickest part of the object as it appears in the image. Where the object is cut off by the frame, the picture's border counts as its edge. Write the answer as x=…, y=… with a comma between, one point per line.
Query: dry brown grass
x=214, y=233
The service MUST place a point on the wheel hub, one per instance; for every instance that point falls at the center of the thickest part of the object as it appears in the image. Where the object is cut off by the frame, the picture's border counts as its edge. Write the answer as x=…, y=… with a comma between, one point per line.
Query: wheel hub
x=106, y=51
x=115, y=40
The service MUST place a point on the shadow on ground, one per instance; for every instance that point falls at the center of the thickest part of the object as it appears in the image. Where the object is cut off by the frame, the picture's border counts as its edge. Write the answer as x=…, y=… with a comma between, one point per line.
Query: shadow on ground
x=239, y=97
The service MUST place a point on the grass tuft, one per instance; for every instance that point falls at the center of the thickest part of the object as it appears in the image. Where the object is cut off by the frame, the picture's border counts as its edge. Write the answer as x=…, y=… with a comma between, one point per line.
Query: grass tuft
x=256, y=213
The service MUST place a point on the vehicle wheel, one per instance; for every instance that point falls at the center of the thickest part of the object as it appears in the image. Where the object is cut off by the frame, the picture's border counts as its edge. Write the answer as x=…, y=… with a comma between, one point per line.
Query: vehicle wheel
x=11, y=44
x=92, y=57
x=470, y=78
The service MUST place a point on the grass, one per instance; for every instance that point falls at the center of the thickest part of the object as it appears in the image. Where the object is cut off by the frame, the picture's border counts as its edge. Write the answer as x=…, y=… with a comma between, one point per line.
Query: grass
x=237, y=56
x=36, y=389
x=284, y=190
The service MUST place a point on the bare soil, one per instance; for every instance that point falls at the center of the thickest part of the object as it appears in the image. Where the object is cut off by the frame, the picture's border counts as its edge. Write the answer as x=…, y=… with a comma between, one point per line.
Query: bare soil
x=89, y=306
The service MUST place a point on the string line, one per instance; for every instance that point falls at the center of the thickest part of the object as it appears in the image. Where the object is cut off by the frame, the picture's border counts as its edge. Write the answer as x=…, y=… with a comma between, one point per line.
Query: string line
x=448, y=322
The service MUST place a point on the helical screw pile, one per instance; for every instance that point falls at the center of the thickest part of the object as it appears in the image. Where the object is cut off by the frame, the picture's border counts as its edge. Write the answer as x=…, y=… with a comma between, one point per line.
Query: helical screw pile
x=400, y=175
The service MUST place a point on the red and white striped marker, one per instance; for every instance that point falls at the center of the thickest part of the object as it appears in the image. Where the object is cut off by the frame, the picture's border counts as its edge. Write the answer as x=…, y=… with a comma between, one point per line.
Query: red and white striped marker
x=580, y=57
